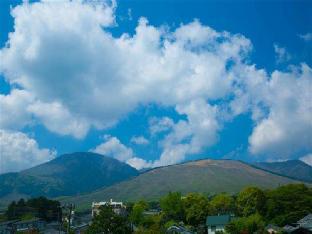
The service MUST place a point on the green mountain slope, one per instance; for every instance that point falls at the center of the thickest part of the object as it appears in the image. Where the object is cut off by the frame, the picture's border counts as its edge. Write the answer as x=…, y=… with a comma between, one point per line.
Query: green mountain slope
x=291, y=168
x=206, y=176
x=66, y=175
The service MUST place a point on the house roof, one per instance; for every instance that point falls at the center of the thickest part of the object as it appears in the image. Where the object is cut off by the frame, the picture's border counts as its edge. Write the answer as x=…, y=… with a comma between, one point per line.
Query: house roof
x=306, y=220
x=218, y=220
x=272, y=226
x=179, y=229
x=289, y=228
x=34, y=220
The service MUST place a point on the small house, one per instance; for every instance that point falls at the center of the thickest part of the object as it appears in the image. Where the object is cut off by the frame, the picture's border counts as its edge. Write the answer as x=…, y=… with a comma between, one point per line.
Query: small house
x=29, y=225
x=217, y=223
x=273, y=229
x=118, y=207
x=306, y=222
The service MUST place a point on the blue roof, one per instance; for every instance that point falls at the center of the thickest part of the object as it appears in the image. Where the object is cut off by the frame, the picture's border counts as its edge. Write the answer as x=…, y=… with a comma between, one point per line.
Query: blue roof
x=218, y=220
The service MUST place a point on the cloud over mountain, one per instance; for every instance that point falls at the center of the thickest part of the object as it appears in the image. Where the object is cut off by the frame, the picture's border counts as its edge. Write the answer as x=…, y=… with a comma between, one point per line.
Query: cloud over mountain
x=18, y=152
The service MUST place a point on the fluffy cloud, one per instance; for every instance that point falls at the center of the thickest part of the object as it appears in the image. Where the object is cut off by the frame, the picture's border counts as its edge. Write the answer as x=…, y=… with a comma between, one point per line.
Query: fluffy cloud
x=281, y=54
x=306, y=37
x=307, y=159
x=287, y=128
x=58, y=119
x=190, y=136
x=139, y=140
x=19, y=152
x=112, y=147
x=72, y=63
x=159, y=125
x=139, y=163
x=80, y=76
x=14, y=105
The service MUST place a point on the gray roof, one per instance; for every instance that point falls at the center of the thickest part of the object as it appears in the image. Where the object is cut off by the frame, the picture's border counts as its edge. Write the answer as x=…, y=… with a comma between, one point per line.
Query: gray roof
x=34, y=220
x=289, y=228
x=306, y=220
x=218, y=220
x=272, y=226
x=178, y=229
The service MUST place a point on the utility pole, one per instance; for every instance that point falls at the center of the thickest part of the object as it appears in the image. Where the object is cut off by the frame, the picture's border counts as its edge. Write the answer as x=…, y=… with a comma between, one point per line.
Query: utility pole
x=70, y=207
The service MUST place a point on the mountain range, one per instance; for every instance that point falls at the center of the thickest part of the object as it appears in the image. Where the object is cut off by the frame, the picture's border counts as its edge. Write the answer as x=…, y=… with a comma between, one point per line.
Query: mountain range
x=66, y=175
x=85, y=177
x=204, y=176
x=292, y=168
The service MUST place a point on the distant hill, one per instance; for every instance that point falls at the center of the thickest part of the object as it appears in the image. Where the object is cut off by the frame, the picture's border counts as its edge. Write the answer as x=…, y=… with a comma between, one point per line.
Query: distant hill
x=205, y=176
x=291, y=168
x=69, y=174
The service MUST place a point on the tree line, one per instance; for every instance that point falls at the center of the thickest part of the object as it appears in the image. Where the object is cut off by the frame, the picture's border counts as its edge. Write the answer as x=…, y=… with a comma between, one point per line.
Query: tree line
x=41, y=207
x=253, y=208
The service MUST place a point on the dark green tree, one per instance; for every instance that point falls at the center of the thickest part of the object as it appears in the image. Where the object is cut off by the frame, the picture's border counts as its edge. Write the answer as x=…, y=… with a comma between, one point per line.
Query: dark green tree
x=109, y=223
x=246, y=225
x=172, y=206
x=222, y=204
x=11, y=211
x=287, y=204
x=41, y=207
x=136, y=215
x=250, y=201
x=196, y=208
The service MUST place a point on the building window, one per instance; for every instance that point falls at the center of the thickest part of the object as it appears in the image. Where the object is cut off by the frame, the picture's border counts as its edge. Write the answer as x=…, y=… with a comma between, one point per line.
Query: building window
x=213, y=228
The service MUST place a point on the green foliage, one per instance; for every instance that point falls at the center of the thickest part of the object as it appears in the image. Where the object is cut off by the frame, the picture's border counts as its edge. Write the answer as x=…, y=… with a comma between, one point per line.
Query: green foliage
x=170, y=223
x=250, y=200
x=172, y=206
x=196, y=208
x=288, y=203
x=222, y=204
x=136, y=215
x=155, y=228
x=2, y=218
x=27, y=216
x=41, y=207
x=250, y=224
x=109, y=223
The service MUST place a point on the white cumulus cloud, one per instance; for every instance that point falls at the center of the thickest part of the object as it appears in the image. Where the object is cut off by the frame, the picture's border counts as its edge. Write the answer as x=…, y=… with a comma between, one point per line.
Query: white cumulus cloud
x=139, y=140
x=306, y=37
x=13, y=109
x=307, y=159
x=112, y=147
x=281, y=54
x=18, y=152
x=75, y=75
x=287, y=128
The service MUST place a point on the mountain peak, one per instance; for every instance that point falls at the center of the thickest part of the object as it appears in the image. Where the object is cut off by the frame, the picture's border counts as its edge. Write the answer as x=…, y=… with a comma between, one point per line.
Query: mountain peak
x=68, y=174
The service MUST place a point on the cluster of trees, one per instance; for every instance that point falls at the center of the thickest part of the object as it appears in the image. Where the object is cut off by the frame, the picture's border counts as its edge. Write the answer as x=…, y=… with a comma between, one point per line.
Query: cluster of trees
x=110, y=223
x=41, y=207
x=253, y=208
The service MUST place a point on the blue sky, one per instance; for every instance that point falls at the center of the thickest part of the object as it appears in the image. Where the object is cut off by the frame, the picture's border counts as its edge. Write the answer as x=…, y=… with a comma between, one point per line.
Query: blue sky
x=227, y=119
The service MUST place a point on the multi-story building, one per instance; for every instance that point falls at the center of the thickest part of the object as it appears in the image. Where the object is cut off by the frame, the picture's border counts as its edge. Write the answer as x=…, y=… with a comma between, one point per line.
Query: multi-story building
x=118, y=207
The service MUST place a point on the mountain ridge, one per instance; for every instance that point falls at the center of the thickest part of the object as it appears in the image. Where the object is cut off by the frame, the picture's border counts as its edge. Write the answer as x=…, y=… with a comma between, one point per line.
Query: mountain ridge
x=295, y=169
x=204, y=176
x=66, y=175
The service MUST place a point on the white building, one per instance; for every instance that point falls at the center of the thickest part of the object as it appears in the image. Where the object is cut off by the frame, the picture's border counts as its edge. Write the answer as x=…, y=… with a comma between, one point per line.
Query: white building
x=217, y=223
x=118, y=207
